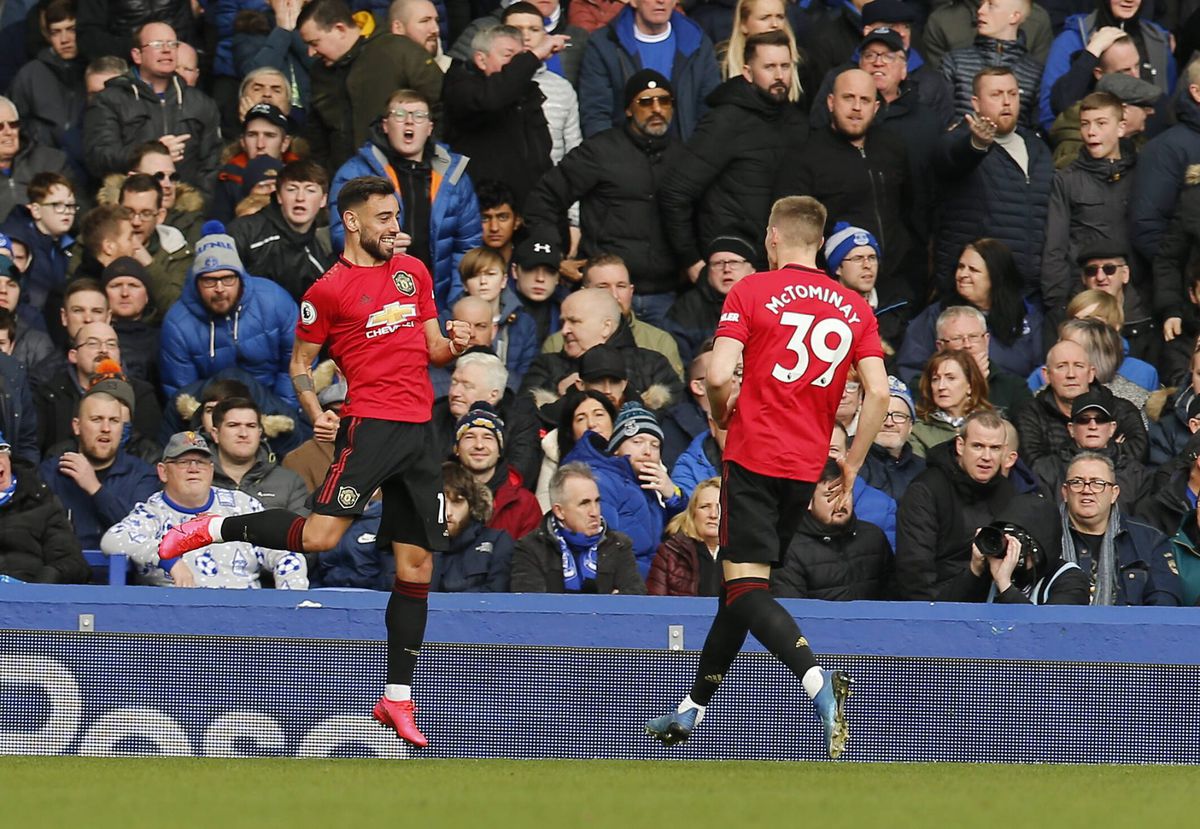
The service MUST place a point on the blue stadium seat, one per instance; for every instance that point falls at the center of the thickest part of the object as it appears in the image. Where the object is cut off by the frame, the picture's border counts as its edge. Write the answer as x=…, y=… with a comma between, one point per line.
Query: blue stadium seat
x=111, y=570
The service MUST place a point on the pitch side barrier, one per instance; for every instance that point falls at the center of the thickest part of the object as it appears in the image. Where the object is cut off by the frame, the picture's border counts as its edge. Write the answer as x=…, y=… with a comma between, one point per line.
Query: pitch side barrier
x=134, y=670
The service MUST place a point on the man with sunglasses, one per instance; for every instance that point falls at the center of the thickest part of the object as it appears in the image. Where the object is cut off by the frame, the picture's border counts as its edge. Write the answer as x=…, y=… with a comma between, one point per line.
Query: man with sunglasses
x=615, y=177
x=21, y=159
x=1128, y=563
x=1105, y=264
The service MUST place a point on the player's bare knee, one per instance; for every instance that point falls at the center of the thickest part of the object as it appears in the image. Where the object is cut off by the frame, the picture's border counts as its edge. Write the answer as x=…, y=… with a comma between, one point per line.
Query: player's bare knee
x=321, y=536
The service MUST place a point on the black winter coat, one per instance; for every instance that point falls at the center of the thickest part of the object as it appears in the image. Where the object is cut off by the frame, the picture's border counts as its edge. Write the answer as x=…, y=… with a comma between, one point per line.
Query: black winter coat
x=537, y=564
x=270, y=248
x=1043, y=427
x=848, y=563
x=58, y=398
x=723, y=181
x=891, y=475
x=869, y=187
x=694, y=316
x=18, y=412
x=50, y=95
x=987, y=194
x=1166, y=505
x=615, y=177
x=936, y=522
x=479, y=560
x=1178, y=252
x=106, y=26
x=832, y=39
x=37, y=543
x=497, y=122
x=962, y=65
x=645, y=367
x=1131, y=475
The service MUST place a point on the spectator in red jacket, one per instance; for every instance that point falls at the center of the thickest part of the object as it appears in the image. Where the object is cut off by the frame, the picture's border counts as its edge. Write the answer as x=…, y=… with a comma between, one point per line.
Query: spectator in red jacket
x=686, y=563
x=479, y=446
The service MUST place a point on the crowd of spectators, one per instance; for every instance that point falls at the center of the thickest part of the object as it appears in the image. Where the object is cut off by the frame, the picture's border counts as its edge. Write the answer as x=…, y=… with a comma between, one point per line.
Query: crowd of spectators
x=1013, y=187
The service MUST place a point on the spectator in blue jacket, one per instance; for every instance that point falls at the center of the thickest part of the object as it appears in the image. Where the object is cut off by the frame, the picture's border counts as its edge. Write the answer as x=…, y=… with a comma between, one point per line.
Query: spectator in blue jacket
x=356, y=561
x=43, y=225
x=225, y=319
x=870, y=504
x=438, y=208
x=478, y=559
x=1152, y=41
x=18, y=417
x=98, y=482
x=701, y=460
x=646, y=36
x=637, y=495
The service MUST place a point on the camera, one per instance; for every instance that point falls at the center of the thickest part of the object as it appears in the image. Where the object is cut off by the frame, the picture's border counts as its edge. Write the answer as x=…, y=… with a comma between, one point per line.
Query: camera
x=990, y=540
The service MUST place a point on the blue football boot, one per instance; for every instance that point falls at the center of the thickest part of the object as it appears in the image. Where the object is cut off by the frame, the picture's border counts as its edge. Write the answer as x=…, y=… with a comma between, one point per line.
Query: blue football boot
x=672, y=728
x=830, y=704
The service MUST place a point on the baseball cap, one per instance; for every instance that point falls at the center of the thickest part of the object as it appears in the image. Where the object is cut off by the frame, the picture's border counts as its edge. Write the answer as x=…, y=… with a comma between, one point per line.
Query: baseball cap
x=888, y=37
x=183, y=442
x=887, y=11
x=601, y=361
x=266, y=112
x=1129, y=89
x=1098, y=398
x=538, y=249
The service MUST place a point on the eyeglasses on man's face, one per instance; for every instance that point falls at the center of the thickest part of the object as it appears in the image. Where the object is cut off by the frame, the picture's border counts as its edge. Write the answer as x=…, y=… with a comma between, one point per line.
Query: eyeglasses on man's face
x=1094, y=485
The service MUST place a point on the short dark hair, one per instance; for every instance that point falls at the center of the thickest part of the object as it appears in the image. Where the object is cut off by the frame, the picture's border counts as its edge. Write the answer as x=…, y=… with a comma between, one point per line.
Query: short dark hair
x=493, y=194
x=602, y=260
x=304, y=170
x=41, y=184
x=830, y=472
x=226, y=387
x=326, y=14
x=520, y=7
x=359, y=190
x=149, y=148
x=56, y=11
x=83, y=283
x=101, y=223
x=775, y=37
x=142, y=183
x=8, y=322
x=229, y=404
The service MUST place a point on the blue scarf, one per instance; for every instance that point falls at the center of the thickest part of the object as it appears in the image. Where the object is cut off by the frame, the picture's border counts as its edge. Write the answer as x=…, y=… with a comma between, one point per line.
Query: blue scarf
x=578, y=555
x=7, y=494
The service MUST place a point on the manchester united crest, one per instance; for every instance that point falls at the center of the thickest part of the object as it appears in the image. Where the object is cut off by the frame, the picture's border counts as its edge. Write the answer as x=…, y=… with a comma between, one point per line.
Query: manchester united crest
x=404, y=283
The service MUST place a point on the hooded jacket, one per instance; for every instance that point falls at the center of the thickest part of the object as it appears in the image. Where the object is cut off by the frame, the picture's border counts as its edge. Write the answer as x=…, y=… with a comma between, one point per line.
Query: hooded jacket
x=537, y=564
x=1089, y=201
x=615, y=176
x=478, y=560
x=985, y=193
x=124, y=484
x=1043, y=427
x=270, y=484
x=37, y=543
x=1153, y=42
x=611, y=58
x=962, y=65
x=271, y=248
x=454, y=223
x=256, y=335
x=1162, y=166
x=852, y=562
x=128, y=112
x=50, y=95
x=724, y=179
x=936, y=521
x=627, y=508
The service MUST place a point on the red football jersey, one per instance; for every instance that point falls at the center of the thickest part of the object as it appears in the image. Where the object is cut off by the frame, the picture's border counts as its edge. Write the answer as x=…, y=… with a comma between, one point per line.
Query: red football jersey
x=801, y=331
x=374, y=322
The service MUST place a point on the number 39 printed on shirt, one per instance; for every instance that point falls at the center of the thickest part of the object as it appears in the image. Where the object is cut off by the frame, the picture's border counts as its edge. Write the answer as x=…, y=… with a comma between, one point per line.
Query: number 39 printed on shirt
x=806, y=339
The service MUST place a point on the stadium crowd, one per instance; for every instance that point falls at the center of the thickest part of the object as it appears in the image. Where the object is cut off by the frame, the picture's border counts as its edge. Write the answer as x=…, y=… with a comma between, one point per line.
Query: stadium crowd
x=1013, y=187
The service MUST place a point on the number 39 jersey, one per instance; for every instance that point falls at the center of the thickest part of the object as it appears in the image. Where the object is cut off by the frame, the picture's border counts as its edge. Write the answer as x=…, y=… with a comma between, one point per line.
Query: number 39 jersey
x=801, y=333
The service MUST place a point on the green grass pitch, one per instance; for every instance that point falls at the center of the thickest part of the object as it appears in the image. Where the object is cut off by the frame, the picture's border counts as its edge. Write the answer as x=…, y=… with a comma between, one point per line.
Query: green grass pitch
x=71, y=793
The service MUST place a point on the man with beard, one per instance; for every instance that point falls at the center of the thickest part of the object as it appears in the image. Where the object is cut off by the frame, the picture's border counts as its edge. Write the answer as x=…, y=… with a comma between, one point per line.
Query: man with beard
x=418, y=21
x=995, y=180
x=615, y=176
x=725, y=177
x=98, y=482
x=383, y=435
x=479, y=447
x=860, y=174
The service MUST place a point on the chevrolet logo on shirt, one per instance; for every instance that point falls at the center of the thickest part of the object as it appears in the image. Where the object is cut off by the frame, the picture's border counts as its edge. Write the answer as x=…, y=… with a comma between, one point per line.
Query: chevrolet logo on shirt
x=390, y=317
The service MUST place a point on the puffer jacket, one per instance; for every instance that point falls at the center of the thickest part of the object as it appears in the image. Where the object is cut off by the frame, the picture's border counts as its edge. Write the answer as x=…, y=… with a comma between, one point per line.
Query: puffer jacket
x=615, y=176
x=987, y=194
x=676, y=567
x=627, y=508
x=37, y=543
x=699, y=462
x=1158, y=65
x=454, y=223
x=30, y=160
x=514, y=508
x=1088, y=201
x=537, y=564
x=1162, y=168
x=1043, y=427
x=936, y=522
x=478, y=560
x=612, y=57
x=951, y=25
x=724, y=179
x=849, y=563
x=126, y=482
x=270, y=484
x=282, y=428
x=50, y=96
x=257, y=335
x=270, y=248
x=128, y=112
x=962, y=65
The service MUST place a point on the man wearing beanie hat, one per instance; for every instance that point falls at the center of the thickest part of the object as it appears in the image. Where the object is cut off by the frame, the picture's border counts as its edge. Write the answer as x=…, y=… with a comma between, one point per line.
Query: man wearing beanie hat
x=650, y=36
x=637, y=495
x=728, y=258
x=615, y=176
x=479, y=447
x=134, y=317
x=725, y=180
x=227, y=319
x=891, y=465
x=853, y=257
